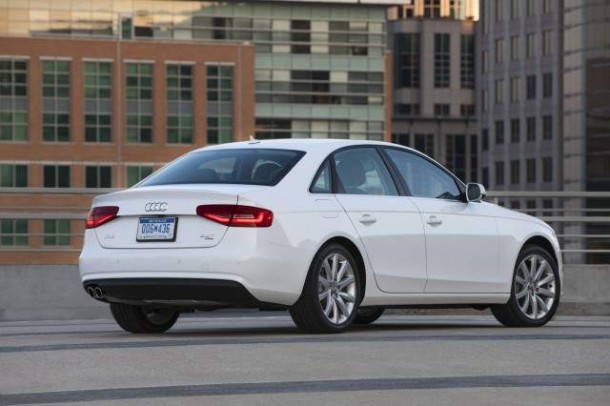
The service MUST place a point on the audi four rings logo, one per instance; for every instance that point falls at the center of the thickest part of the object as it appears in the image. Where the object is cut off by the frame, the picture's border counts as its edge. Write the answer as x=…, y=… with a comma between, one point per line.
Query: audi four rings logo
x=155, y=207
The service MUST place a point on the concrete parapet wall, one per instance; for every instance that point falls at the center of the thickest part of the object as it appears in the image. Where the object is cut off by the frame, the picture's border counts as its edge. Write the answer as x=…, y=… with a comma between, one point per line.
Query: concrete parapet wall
x=38, y=292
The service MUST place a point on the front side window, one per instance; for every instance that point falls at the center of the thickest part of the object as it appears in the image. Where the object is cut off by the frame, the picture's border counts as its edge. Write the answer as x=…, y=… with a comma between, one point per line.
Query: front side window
x=229, y=166
x=361, y=171
x=422, y=177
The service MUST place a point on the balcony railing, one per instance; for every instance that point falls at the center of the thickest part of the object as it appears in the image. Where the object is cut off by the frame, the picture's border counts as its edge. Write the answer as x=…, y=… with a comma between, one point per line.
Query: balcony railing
x=581, y=219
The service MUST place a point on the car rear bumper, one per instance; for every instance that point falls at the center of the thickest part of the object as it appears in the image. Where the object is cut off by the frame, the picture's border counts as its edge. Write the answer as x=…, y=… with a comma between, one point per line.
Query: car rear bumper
x=172, y=291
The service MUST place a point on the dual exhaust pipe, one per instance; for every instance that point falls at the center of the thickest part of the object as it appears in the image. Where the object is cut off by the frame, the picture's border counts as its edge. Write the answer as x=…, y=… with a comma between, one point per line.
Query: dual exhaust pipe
x=95, y=291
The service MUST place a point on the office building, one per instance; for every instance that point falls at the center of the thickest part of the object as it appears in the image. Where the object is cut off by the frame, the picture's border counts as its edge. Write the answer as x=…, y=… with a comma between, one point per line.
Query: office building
x=433, y=100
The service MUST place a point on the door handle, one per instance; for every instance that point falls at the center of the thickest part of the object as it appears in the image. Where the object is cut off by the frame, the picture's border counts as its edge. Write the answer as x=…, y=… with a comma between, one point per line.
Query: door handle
x=434, y=221
x=367, y=219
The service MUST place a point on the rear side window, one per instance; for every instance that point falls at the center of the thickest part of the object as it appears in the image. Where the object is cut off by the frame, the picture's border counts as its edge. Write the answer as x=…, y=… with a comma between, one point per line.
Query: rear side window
x=229, y=166
x=361, y=171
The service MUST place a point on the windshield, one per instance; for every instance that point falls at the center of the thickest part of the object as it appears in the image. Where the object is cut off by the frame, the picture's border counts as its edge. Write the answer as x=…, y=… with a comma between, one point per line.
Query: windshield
x=228, y=166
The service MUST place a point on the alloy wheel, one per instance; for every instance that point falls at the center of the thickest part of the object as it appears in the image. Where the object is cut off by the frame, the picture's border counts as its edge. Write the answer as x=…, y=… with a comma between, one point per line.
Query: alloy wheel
x=535, y=287
x=337, y=288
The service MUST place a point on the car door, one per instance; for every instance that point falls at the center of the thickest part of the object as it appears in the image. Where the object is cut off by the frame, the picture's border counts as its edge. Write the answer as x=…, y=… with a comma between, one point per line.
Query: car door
x=389, y=227
x=461, y=237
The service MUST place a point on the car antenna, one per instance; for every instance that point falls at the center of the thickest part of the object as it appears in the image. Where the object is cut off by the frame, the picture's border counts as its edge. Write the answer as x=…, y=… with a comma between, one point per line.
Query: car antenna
x=253, y=140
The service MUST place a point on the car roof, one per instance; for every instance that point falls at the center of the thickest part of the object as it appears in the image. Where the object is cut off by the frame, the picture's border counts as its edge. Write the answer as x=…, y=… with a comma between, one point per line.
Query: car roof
x=302, y=144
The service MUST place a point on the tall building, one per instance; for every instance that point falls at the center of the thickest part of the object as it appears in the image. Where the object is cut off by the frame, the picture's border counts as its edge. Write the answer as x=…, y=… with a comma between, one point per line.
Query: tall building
x=545, y=110
x=520, y=93
x=433, y=44
x=586, y=115
x=98, y=94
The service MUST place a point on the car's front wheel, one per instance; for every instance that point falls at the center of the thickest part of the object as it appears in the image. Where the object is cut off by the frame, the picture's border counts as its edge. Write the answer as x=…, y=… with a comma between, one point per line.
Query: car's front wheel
x=535, y=290
x=143, y=319
x=330, y=298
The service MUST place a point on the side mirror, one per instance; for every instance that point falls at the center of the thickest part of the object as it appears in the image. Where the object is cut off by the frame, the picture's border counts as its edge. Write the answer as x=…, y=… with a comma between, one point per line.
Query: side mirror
x=475, y=192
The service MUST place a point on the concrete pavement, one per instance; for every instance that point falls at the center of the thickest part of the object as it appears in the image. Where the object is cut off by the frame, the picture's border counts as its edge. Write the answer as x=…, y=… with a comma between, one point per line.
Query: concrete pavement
x=250, y=357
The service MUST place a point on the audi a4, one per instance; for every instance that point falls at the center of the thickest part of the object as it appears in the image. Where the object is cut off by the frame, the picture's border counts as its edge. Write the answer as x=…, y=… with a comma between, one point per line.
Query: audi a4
x=335, y=231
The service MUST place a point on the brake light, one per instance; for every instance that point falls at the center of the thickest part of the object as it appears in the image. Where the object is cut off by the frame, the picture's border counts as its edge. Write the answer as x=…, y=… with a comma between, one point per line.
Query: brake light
x=101, y=215
x=236, y=216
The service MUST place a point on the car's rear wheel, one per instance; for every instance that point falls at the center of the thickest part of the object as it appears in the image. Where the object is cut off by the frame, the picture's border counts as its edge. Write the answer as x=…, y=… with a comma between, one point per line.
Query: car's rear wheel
x=331, y=295
x=368, y=315
x=535, y=290
x=143, y=319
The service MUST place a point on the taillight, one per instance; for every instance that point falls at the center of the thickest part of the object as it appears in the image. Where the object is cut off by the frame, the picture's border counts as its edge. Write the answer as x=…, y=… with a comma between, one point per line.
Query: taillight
x=236, y=216
x=101, y=215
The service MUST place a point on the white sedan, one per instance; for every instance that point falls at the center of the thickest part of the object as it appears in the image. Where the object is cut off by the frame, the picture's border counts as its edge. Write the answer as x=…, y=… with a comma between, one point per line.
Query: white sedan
x=335, y=231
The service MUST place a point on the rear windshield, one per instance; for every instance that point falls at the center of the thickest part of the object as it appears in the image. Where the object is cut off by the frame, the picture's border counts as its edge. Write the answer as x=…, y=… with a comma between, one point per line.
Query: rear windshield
x=228, y=166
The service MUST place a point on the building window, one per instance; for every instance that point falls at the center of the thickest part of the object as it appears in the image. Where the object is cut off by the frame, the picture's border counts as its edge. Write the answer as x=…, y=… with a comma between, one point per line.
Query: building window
x=407, y=109
x=56, y=232
x=220, y=104
x=179, y=118
x=56, y=100
x=139, y=91
x=547, y=85
x=56, y=127
x=136, y=173
x=499, y=91
x=441, y=109
x=547, y=127
x=98, y=101
x=499, y=50
x=98, y=177
x=531, y=207
x=515, y=172
x=531, y=128
x=515, y=130
x=514, y=89
x=98, y=127
x=56, y=78
x=13, y=175
x=530, y=166
x=401, y=139
x=467, y=110
x=300, y=36
x=442, y=57
x=56, y=176
x=515, y=204
x=474, y=157
x=547, y=204
x=485, y=176
x=407, y=54
x=499, y=10
x=514, y=9
x=485, y=139
x=547, y=6
x=531, y=7
x=424, y=143
x=547, y=43
x=13, y=92
x=514, y=48
x=499, y=173
x=530, y=45
x=126, y=27
x=456, y=155
x=467, y=62
x=13, y=232
x=531, y=87
x=547, y=169
x=499, y=132
x=432, y=9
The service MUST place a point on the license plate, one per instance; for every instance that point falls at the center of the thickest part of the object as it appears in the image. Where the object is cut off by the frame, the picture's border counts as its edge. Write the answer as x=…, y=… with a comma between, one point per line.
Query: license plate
x=156, y=229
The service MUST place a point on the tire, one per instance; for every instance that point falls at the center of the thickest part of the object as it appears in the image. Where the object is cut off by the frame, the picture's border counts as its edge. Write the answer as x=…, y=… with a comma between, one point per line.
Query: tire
x=542, y=287
x=143, y=320
x=368, y=315
x=329, y=304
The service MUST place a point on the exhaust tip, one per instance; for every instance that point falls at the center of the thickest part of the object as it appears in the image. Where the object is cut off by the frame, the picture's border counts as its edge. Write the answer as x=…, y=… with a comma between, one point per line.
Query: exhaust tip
x=90, y=291
x=99, y=293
